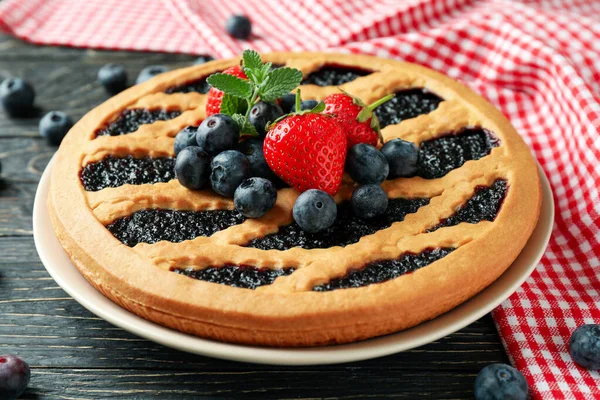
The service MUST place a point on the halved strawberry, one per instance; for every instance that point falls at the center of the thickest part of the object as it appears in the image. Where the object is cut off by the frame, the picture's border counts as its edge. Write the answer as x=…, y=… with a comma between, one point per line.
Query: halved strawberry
x=355, y=117
x=213, y=103
x=307, y=150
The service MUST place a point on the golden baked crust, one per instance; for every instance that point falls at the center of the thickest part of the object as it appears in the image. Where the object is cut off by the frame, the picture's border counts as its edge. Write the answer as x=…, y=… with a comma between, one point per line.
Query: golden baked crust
x=288, y=312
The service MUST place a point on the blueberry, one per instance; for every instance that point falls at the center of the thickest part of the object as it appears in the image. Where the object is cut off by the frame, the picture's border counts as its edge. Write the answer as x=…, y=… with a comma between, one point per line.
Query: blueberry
x=186, y=137
x=16, y=96
x=584, y=346
x=288, y=103
x=255, y=197
x=308, y=104
x=402, y=156
x=369, y=201
x=14, y=376
x=366, y=164
x=203, y=59
x=113, y=77
x=192, y=168
x=263, y=113
x=150, y=72
x=253, y=149
x=314, y=210
x=238, y=26
x=229, y=169
x=499, y=382
x=218, y=133
x=54, y=126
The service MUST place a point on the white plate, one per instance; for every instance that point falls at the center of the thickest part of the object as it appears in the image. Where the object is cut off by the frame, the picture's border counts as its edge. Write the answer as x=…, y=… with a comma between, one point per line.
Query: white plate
x=68, y=277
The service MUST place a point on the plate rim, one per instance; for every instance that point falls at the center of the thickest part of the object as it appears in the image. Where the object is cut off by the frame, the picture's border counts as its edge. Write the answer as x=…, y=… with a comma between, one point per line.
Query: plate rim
x=363, y=350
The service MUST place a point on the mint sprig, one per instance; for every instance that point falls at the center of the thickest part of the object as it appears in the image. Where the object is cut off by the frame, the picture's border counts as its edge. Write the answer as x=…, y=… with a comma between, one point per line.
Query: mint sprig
x=264, y=83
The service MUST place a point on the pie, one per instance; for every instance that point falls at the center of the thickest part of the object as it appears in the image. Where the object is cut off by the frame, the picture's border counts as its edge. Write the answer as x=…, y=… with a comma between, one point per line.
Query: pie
x=189, y=261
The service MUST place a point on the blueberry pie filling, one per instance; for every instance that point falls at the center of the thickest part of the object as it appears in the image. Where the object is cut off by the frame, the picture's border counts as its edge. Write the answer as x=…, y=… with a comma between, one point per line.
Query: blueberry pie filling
x=407, y=104
x=332, y=75
x=198, y=86
x=239, y=276
x=132, y=118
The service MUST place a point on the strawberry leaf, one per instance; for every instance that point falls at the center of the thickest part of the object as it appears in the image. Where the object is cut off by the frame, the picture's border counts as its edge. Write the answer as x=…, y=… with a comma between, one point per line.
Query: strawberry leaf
x=319, y=108
x=233, y=105
x=246, y=128
x=279, y=82
x=231, y=85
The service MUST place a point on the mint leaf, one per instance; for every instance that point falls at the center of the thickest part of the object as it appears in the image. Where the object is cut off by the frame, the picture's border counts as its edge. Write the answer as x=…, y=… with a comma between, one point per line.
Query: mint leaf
x=252, y=60
x=233, y=105
x=279, y=82
x=246, y=128
x=231, y=85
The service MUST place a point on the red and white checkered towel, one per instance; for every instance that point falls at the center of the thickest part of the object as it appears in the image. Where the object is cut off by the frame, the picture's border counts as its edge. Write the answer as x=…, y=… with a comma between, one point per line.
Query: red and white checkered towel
x=539, y=61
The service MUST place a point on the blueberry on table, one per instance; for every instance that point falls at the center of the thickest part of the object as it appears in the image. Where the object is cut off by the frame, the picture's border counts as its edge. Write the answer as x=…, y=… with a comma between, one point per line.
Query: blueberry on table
x=192, y=168
x=365, y=164
x=584, y=346
x=263, y=113
x=14, y=376
x=203, y=59
x=238, y=26
x=229, y=169
x=54, y=126
x=253, y=149
x=150, y=72
x=186, y=137
x=288, y=103
x=113, y=77
x=16, y=96
x=314, y=210
x=255, y=197
x=218, y=133
x=402, y=156
x=500, y=382
x=369, y=201
x=308, y=105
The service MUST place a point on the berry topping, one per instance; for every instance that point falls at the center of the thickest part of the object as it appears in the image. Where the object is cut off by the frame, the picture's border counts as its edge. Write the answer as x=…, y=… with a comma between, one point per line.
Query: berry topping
x=132, y=118
x=365, y=164
x=16, y=96
x=402, y=156
x=186, y=137
x=253, y=149
x=405, y=105
x=314, y=210
x=229, y=169
x=14, y=376
x=355, y=117
x=239, y=276
x=217, y=133
x=238, y=26
x=196, y=85
x=54, y=126
x=192, y=167
x=113, y=77
x=334, y=75
x=584, y=346
x=288, y=103
x=369, y=201
x=215, y=96
x=385, y=270
x=149, y=73
x=153, y=225
x=499, y=382
x=262, y=114
x=255, y=197
x=308, y=104
x=203, y=59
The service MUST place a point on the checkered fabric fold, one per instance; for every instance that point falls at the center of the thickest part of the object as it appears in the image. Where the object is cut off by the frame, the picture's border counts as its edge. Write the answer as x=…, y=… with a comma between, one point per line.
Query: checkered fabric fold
x=538, y=61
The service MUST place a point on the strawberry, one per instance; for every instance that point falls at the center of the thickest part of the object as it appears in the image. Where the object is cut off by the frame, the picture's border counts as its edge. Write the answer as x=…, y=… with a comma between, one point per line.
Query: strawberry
x=213, y=103
x=355, y=117
x=307, y=150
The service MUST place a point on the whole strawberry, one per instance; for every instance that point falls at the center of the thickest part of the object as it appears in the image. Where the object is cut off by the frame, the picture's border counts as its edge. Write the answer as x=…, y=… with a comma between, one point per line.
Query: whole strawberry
x=355, y=117
x=307, y=150
x=215, y=96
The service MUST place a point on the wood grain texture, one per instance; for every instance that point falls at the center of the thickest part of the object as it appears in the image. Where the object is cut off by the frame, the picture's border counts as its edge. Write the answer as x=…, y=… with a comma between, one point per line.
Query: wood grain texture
x=75, y=355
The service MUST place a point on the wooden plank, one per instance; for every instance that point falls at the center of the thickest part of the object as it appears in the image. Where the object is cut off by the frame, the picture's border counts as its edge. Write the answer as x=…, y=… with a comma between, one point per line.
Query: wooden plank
x=16, y=207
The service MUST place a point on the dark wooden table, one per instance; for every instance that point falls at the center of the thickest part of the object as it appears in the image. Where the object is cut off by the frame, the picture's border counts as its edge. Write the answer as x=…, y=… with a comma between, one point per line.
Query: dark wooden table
x=75, y=355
